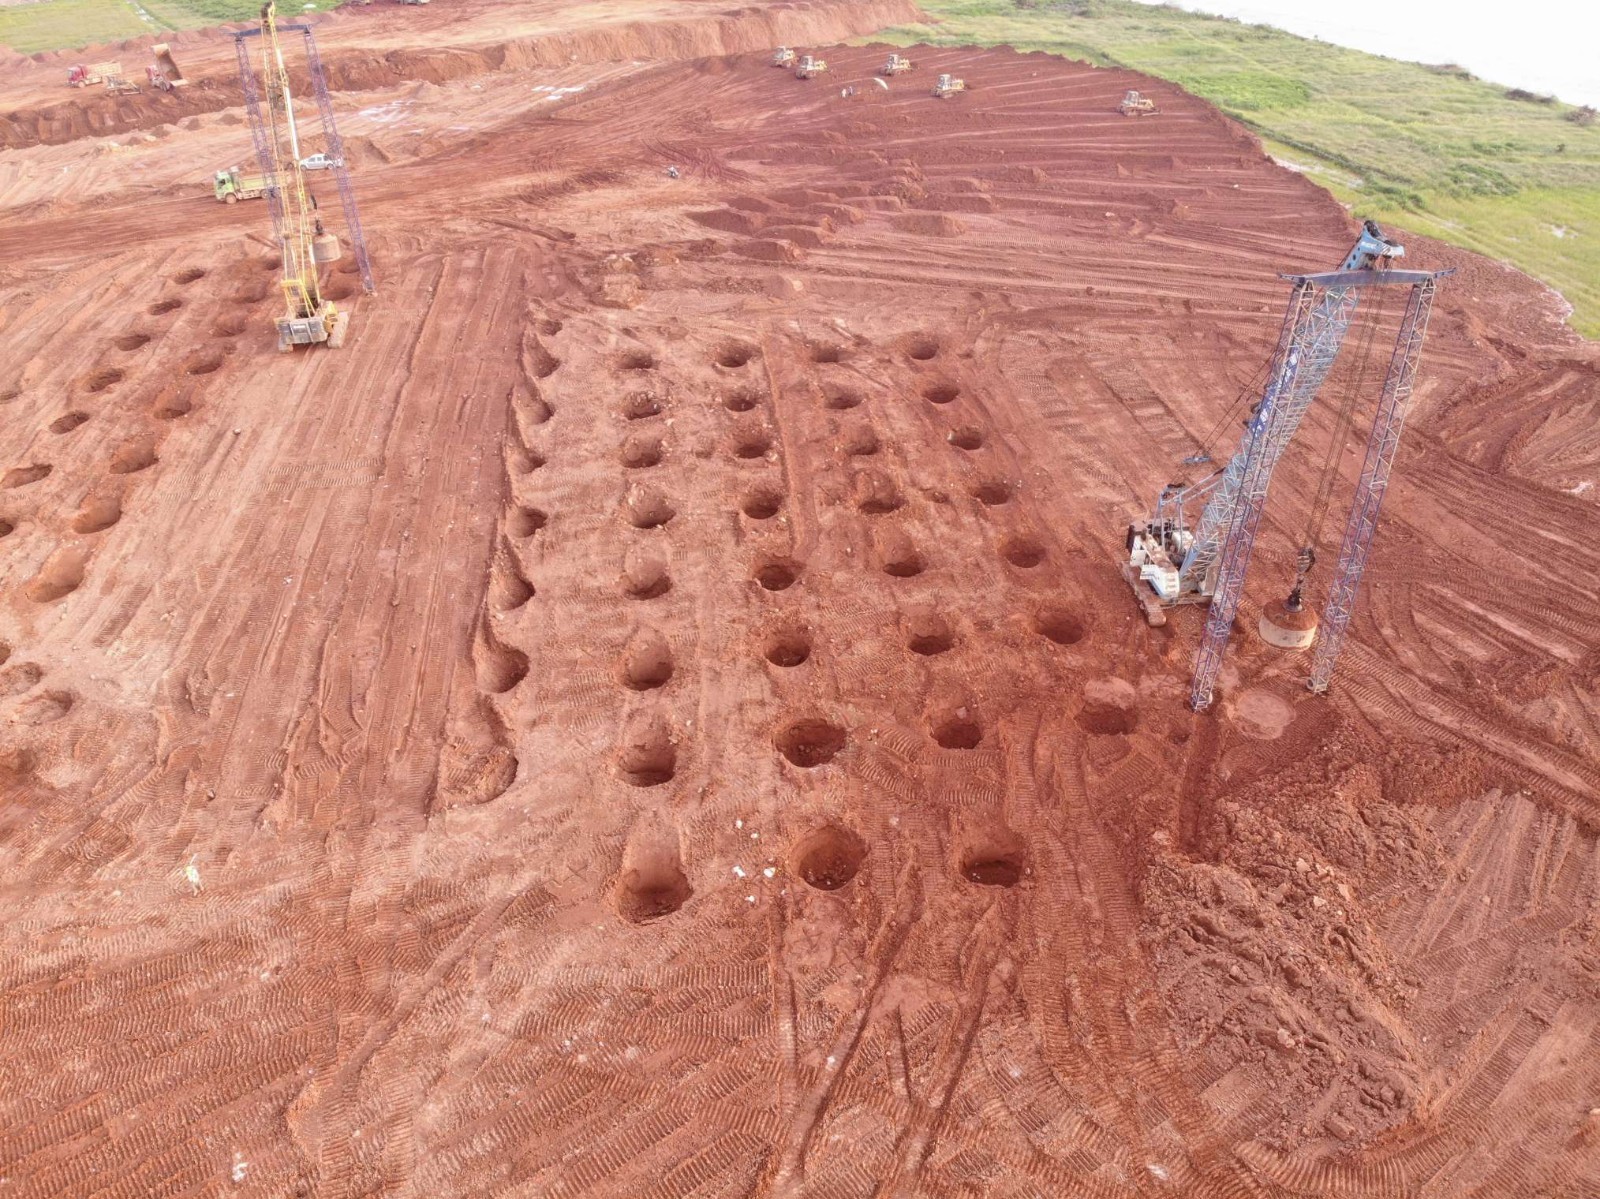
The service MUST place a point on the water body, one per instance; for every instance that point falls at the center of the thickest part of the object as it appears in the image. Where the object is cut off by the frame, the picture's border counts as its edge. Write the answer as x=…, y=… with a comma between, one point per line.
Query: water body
x=1545, y=46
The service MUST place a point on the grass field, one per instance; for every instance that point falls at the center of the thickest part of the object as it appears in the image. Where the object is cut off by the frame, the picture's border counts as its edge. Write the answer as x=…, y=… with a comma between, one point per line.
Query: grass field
x=62, y=24
x=1420, y=147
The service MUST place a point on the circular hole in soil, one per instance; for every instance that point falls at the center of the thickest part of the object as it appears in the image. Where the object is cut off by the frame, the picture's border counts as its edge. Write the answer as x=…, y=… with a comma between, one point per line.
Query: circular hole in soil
x=777, y=576
x=652, y=887
x=827, y=351
x=995, y=861
x=752, y=444
x=957, y=732
x=549, y=326
x=647, y=757
x=992, y=492
x=191, y=275
x=173, y=405
x=98, y=512
x=1059, y=625
x=1023, y=552
x=790, y=647
x=965, y=438
x=637, y=360
x=103, y=378
x=338, y=291
x=940, y=393
x=69, y=422
x=901, y=559
x=645, y=577
x=743, y=399
x=21, y=476
x=10, y=395
x=162, y=307
x=134, y=456
x=928, y=633
x=649, y=510
x=1107, y=720
x=6, y=528
x=861, y=441
x=841, y=399
x=762, y=504
x=641, y=452
x=274, y=263
x=829, y=857
x=879, y=497
x=129, y=342
x=735, y=354
x=204, y=365
x=811, y=742
x=649, y=664
x=229, y=326
x=922, y=347
x=641, y=405
x=525, y=522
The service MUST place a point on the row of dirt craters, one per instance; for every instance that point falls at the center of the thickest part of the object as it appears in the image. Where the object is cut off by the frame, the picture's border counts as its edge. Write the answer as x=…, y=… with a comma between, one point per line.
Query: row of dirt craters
x=20, y=690
x=653, y=883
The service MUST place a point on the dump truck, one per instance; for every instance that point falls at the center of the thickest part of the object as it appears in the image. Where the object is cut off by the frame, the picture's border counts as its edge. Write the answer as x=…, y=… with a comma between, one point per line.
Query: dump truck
x=231, y=186
x=163, y=73
x=88, y=76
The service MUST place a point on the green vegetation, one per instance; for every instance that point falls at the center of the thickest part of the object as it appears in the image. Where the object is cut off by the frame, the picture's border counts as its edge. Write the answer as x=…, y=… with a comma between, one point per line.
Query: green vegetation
x=57, y=24
x=62, y=24
x=1513, y=176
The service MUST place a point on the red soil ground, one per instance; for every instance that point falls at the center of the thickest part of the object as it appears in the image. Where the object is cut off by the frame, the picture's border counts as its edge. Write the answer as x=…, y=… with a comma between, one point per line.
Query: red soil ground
x=657, y=712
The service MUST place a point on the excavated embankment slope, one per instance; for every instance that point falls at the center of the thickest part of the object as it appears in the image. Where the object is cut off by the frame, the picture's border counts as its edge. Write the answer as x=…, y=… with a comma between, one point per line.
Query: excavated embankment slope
x=370, y=65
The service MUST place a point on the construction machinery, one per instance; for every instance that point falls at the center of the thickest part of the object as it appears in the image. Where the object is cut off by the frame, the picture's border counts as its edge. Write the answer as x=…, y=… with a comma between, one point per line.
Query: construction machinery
x=948, y=85
x=232, y=185
x=1171, y=563
x=897, y=64
x=163, y=73
x=783, y=57
x=305, y=245
x=1136, y=104
x=88, y=76
x=118, y=86
x=809, y=67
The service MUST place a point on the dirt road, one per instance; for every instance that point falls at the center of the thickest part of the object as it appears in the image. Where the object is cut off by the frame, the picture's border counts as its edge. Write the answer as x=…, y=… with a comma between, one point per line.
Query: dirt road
x=657, y=712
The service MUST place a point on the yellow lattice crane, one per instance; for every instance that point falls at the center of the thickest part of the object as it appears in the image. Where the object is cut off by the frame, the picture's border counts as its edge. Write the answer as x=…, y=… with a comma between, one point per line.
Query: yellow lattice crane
x=305, y=245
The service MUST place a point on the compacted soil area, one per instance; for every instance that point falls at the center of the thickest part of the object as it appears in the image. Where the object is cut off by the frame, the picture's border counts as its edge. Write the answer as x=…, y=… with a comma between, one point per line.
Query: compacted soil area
x=658, y=712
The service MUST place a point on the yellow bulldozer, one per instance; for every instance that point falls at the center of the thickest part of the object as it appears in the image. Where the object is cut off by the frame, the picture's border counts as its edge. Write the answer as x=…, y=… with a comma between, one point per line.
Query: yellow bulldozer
x=897, y=64
x=809, y=67
x=783, y=57
x=948, y=85
x=1134, y=104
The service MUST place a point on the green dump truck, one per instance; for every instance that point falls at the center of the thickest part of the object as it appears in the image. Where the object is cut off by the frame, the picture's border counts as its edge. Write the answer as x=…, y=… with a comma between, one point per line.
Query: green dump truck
x=232, y=186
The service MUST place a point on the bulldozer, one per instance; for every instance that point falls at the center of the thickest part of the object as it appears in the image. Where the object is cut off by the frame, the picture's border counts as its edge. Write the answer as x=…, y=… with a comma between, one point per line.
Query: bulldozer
x=896, y=64
x=118, y=86
x=809, y=67
x=783, y=57
x=948, y=85
x=1135, y=104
